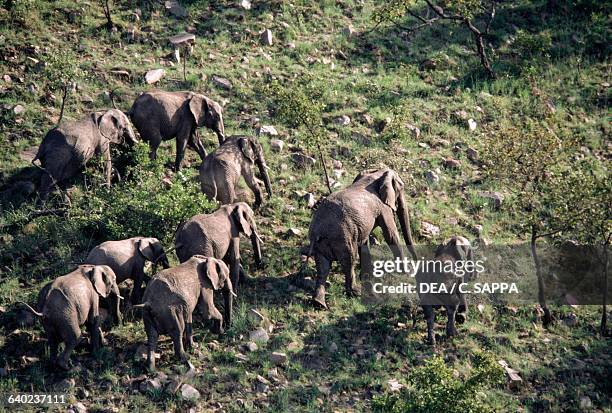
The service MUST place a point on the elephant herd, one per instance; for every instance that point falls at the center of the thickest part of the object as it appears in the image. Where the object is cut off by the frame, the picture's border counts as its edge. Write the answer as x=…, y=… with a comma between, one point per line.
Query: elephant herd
x=206, y=245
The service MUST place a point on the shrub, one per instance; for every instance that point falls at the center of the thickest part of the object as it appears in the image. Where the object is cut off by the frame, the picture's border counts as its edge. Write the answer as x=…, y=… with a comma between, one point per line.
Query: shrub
x=433, y=388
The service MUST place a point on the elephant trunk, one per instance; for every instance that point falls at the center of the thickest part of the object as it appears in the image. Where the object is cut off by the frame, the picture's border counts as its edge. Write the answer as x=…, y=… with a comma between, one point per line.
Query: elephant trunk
x=404, y=219
x=263, y=170
x=130, y=136
x=256, y=243
x=228, y=302
x=220, y=130
x=116, y=307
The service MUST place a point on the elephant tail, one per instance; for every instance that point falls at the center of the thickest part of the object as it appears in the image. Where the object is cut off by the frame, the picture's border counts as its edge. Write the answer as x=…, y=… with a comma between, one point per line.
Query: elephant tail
x=32, y=310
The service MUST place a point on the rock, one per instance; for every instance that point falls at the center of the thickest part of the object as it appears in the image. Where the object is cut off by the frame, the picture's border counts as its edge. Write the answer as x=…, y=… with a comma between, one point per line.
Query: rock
x=570, y=320
x=175, y=9
x=7, y=79
x=360, y=138
x=303, y=161
x=416, y=132
x=188, y=392
x=451, y=163
x=245, y=4
x=259, y=334
x=261, y=388
x=293, y=232
x=252, y=346
x=333, y=347
x=367, y=119
x=349, y=31
x=513, y=377
x=182, y=39
x=18, y=110
x=150, y=385
x=65, y=385
x=86, y=99
x=585, y=403
x=79, y=407
x=429, y=230
x=471, y=124
x=428, y=64
x=255, y=316
x=443, y=142
x=496, y=197
x=266, y=130
x=432, y=177
x=266, y=37
x=461, y=115
x=343, y=120
x=480, y=308
x=277, y=145
x=478, y=229
x=472, y=154
x=278, y=358
x=222, y=82
x=154, y=76
x=309, y=199
x=394, y=386
x=336, y=164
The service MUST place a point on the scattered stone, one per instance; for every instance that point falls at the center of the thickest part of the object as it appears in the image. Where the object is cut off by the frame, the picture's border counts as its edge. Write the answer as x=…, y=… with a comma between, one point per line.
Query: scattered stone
x=428, y=64
x=293, y=232
x=429, y=230
x=79, y=407
x=343, y=120
x=252, y=346
x=570, y=320
x=443, y=142
x=513, y=377
x=416, y=132
x=7, y=79
x=472, y=154
x=451, y=163
x=461, y=115
x=303, y=161
x=266, y=37
x=480, y=308
x=86, y=99
x=478, y=229
x=496, y=197
x=64, y=385
x=245, y=4
x=394, y=386
x=432, y=177
x=222, y=82
x=585, y=403
x=293, y=346
x=255, y=316
x=259, y=334
x=368, y=119
x=261, y=388
x=18, y=110
x=309, y=199
x=175, y=9
x=182, y=39
x=278, y=358
x=150, y=385
x=349, y=31
x=154, y=76
x=266, y=130
x=188, y=392
x=333, y=347
x=471, y=124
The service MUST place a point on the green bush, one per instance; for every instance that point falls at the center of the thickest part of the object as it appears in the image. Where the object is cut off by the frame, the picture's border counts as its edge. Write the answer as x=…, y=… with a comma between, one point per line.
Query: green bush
x=148, y=202
x=433, y=388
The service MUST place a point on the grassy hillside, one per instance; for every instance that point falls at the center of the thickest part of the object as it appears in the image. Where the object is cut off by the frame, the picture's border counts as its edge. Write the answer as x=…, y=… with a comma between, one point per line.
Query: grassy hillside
x=406, y=99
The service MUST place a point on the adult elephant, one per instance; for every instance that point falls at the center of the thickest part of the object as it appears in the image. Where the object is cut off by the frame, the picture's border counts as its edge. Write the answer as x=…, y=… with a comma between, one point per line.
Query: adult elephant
x=222, y=169
x=343, y=221
x=66, y=149
x=161, y=116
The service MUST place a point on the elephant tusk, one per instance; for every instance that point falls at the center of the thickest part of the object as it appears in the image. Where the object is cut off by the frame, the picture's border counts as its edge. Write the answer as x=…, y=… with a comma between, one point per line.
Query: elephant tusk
x=266, y=167
x=233, y=293
x=120, y=297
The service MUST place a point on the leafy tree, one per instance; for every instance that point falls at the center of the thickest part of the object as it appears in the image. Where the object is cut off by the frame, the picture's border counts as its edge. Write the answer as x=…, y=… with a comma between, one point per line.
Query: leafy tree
x=61, y=72
x=425, y=13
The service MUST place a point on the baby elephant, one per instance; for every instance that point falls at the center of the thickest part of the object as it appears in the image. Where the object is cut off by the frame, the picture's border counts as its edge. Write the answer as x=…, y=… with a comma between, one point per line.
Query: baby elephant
x=453, y=260
x=218, y=235
x=172, y=296
x=221, y=170
x=67, y=148
x=127, y=258
x=71, y=301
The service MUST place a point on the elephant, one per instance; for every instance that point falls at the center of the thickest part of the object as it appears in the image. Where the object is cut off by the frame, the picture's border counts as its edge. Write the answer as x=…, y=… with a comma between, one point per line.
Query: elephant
x=453, y=250
x=161, y=116
x=342, y=223
x=172, y=296
x=127, y=258
x=221, y=169
x=70, y=301
x=66, y=148
x=218, y=235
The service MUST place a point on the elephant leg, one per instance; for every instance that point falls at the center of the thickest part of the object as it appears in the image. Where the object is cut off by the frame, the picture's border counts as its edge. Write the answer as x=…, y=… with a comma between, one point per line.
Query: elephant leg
x=189, y=332
x=182, y=139
x=177, y=341
x=461, y=315
x=136, y=295
x=95, y=334
x=251, y=181
x=46, y=182
x=155, y=139
x=430, y=317
x=386, y=221
x=152, y=337
x=71, y=339
x=234, y=261
x=196, y=143
x=450, y=323
x=53, y=347
x=323, y=267
x=365, y=261
x=348, y=268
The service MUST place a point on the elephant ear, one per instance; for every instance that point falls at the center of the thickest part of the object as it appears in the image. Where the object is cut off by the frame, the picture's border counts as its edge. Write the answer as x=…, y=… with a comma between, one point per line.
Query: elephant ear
x=199, y=107
x=108, y=125
x=145, y=246
x=241, y=219
x=99, y=280
x=246, y=147
x=210, y=271
x=389, y=189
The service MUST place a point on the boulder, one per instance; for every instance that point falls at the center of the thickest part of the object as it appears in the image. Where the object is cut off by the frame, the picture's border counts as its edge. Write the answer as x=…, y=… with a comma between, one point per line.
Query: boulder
x=266, y=130
x=266, y=37
x=175, y=9
x=278, y=358
x=277, y=145
x=188, y=392
x=222, y=82
x=259, y=334
x=154, y=76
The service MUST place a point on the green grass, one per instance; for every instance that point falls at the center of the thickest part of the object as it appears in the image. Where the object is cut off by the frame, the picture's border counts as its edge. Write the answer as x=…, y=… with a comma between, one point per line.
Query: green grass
x=380, y=77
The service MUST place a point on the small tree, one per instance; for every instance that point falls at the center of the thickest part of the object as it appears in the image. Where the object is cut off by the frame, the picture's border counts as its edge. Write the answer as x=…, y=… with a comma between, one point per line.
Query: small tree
x=106, y=7
x=425, y=13
x=61, y=72
x=534, y=165
x=300, y=106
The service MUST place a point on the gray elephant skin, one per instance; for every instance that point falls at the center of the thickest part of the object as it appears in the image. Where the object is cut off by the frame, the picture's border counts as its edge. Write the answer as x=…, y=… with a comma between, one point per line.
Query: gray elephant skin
x=160, y=116
x=221, y=169
x=66, y=149
x=172, y=296
x=343, y=221
x=127, y=258
x=454, y=249
x=218, y=235
x=70, y=301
